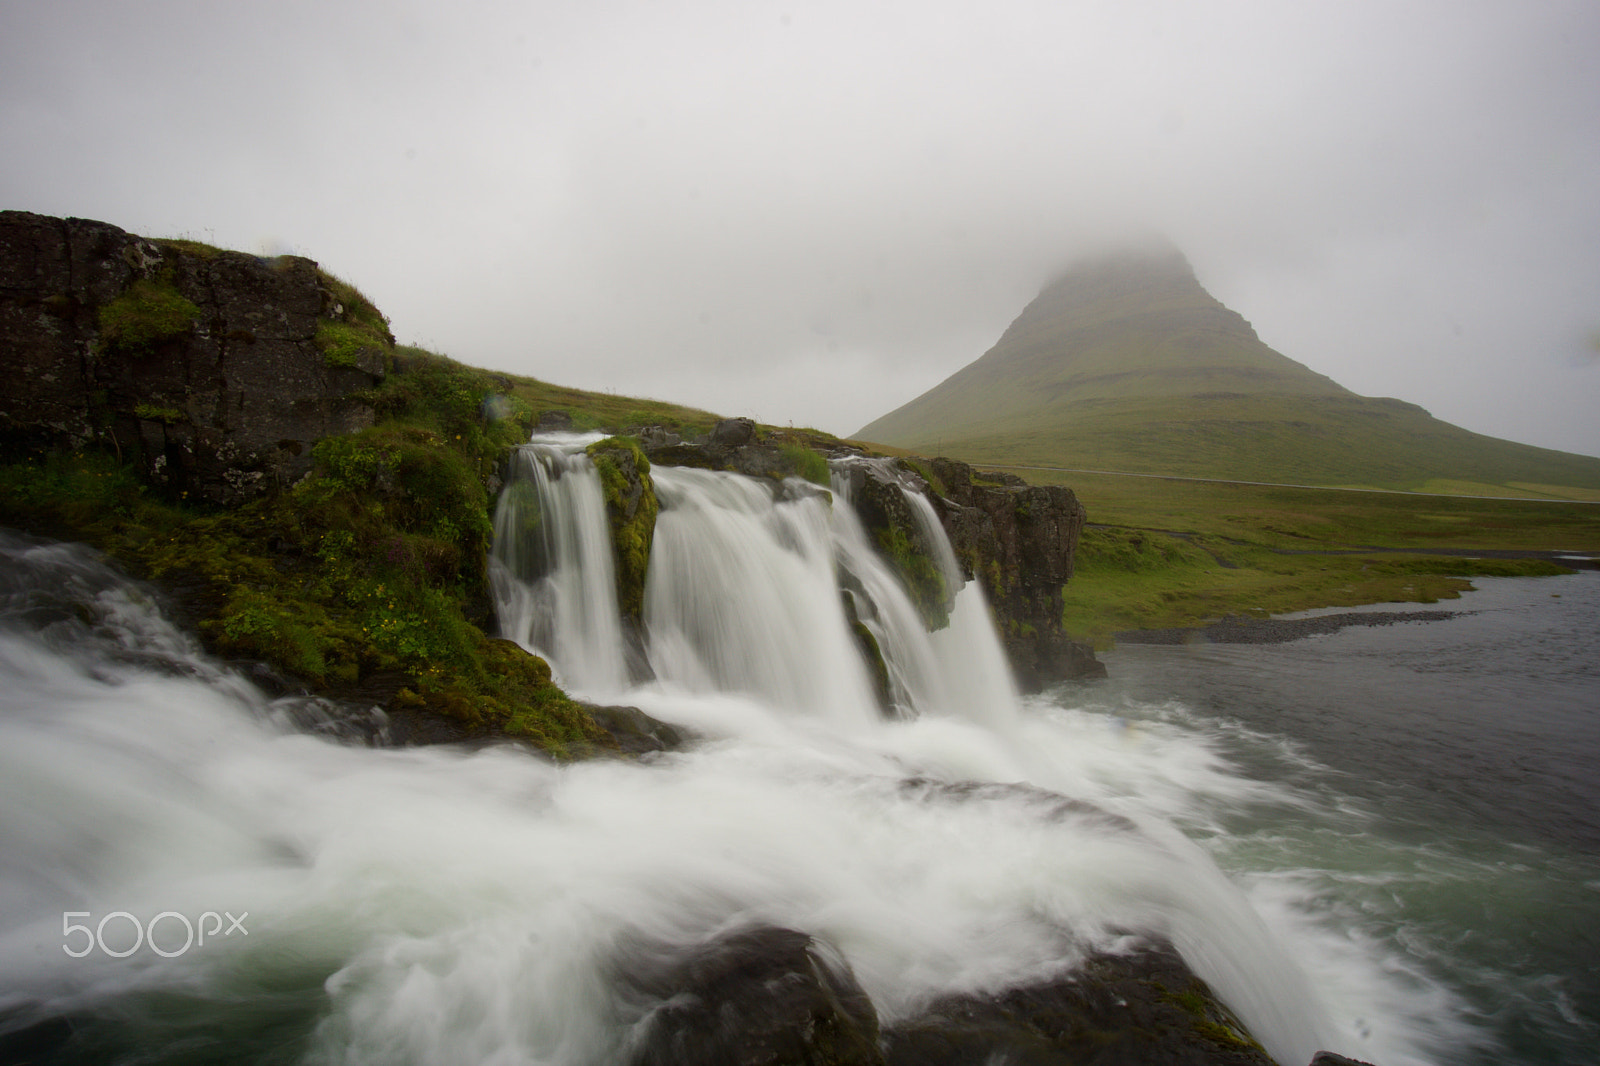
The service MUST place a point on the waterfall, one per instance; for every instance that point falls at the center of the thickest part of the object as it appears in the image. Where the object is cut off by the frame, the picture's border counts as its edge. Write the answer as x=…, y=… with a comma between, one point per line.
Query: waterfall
x=743, y=595
x=436, y=905
x=551, y=569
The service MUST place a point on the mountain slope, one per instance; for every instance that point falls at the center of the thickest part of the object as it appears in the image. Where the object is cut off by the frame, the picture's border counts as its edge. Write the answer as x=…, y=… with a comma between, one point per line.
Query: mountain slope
x=1126, y=363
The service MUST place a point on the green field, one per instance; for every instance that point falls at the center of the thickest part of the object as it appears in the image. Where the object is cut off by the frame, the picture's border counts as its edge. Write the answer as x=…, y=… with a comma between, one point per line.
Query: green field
x=1163, y=552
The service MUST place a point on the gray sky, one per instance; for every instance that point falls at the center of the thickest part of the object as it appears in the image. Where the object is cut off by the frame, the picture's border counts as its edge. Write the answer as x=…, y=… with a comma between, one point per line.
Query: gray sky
x=812, y=212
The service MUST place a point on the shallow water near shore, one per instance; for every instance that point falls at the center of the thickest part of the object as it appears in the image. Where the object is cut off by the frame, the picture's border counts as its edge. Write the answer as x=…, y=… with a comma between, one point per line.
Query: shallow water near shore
x=1451, y=771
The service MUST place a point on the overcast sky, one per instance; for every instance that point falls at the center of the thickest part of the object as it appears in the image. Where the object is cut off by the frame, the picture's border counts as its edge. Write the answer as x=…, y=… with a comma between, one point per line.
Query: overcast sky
x=812, y=212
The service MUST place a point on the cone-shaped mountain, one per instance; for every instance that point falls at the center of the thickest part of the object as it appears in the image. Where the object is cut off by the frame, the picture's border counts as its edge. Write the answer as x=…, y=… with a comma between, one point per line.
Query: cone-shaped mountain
x=1126, y=363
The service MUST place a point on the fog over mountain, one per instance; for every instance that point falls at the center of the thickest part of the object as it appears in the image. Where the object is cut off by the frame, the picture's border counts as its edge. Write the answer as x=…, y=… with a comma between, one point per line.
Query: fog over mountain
x=813, y=213
x=1125, y=363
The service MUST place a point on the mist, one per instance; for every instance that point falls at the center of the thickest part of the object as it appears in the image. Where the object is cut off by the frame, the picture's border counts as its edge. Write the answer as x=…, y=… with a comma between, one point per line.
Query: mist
x=812, y=213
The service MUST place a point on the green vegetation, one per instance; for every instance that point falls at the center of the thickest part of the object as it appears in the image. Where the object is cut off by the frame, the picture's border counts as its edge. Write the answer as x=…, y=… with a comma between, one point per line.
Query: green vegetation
x=148, y=313
x=631, y=509
x=604, y=412
x=920, y=574
x=341, y=344
x=1210, y=1019
x=151, y=413
x=803, y=462
x=368, y=577
x=356, y=325
x=1329, y=441
x=1328, y=519
x=1176, y=553
x=1137, y=579
x=198, y=249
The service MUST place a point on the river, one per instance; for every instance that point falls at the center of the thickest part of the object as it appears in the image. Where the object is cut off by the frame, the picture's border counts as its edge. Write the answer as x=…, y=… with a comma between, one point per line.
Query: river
x=1441, y=797
x=1380, y=841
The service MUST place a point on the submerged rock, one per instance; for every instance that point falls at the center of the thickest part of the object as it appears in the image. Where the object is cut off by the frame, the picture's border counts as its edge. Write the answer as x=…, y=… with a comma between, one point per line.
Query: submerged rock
x=635, y=732
x=766, y=995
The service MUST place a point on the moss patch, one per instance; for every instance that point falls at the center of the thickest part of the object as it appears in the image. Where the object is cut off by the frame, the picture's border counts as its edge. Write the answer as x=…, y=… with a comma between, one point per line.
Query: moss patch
x=148, y=313
x=1208, y=1018
x=350, y=326
x=923, y=579
x=341, y=344
x=166, y=415
x=631, y=508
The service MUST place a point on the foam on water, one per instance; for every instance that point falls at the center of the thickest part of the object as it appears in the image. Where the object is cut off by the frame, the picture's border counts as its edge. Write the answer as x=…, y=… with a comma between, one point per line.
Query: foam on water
x=445, y=905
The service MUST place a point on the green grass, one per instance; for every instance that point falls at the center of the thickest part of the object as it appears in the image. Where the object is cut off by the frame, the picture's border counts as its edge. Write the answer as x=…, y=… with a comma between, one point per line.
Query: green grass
x=1325, y=519
x=1173, y=553
x=1331, y=441
x=604, y=412
x=342, y=344
x=1137, y=579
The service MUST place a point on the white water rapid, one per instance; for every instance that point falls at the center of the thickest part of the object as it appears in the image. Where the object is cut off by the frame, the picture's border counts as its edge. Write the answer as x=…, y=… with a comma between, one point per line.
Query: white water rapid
x=468, y=906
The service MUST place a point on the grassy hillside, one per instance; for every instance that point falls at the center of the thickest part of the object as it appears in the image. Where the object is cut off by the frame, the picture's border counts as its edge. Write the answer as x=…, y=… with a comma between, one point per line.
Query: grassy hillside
x=1127, y=364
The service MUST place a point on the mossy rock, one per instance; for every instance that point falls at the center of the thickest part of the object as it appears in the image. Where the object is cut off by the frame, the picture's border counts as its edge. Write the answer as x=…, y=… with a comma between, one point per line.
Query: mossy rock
x=631, y=508
x=877, y=669
x=366, y=581
x=919, y=572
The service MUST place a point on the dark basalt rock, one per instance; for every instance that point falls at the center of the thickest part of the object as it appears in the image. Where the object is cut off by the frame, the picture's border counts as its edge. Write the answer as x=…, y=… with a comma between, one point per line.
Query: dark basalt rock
x=765, y=995
x=1019, y=797
x=760, y=996
x=1020, y=541
x=733, y=432
x=635, y=732
x=877, y=491
x=1144, y=1008
x=731, y=445
x=201, y=361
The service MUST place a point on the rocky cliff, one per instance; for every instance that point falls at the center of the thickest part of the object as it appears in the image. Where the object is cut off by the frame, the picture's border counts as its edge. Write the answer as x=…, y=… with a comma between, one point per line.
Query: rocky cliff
x=216, y=370
x=1020, y=541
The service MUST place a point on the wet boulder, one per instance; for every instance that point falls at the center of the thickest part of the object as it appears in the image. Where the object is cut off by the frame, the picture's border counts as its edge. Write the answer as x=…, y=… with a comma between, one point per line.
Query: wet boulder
x=759, y=996
x=1142, y=1008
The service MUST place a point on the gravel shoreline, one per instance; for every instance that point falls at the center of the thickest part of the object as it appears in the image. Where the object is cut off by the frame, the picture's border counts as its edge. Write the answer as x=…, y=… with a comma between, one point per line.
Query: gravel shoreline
x=1235, y=630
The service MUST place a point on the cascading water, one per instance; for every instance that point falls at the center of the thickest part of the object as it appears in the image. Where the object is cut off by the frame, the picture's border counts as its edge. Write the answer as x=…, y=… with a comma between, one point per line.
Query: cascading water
x=436, y=905
x=551, y=567
x=741, y=597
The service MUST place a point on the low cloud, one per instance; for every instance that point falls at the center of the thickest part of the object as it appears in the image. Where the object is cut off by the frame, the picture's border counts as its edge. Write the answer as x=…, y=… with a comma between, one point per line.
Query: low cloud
x=813, y=214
